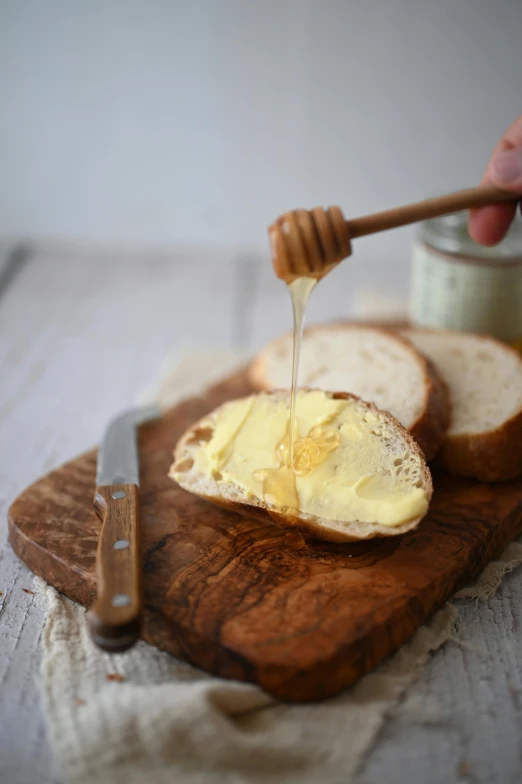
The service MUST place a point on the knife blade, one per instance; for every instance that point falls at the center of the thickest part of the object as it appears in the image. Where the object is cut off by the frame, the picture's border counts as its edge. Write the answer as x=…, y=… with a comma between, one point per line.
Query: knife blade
x=115, y=617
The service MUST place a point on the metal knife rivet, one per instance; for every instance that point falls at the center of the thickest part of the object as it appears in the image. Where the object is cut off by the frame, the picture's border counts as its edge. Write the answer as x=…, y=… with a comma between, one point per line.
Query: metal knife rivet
x=120, y=600
x=121, y=544
x=119, y=494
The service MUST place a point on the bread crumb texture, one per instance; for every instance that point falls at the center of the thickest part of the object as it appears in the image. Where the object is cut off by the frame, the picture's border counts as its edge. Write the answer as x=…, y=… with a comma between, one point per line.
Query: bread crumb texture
x=484, y=376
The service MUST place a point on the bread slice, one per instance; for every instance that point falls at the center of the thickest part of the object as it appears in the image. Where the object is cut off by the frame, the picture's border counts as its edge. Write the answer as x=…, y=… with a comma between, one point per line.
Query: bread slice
x=373, y=444
x=484, y=376
x=369, y=362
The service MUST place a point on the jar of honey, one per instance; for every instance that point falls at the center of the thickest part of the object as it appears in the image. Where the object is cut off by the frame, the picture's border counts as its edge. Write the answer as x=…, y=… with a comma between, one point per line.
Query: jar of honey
x=458, y=284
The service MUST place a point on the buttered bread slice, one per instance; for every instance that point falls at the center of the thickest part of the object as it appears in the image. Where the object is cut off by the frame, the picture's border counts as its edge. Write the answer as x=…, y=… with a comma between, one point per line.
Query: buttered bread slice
x=484, y=376
x=356, y=472
x=369, y=362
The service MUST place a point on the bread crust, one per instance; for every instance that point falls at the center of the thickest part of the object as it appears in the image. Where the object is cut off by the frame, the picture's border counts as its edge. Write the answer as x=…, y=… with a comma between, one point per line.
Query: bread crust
x=493, y=456
x=489, y=456
x=307, y=524
x=430, y=427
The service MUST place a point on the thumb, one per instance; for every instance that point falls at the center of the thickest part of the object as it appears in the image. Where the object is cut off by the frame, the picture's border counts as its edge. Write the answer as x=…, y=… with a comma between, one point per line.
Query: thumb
x=505, y=170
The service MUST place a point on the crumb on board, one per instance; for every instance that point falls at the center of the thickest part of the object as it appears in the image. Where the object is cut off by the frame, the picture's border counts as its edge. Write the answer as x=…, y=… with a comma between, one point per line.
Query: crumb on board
x=464, y=769
x=28, y=590
x=1, y=593
x=115, y=676
x=79, y=701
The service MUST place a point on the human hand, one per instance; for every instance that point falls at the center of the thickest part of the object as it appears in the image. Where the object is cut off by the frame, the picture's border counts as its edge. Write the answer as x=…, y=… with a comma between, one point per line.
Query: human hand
x=488, y=225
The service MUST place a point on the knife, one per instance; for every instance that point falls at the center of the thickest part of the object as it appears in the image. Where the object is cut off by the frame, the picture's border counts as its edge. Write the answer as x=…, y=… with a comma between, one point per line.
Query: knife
x=115, y=617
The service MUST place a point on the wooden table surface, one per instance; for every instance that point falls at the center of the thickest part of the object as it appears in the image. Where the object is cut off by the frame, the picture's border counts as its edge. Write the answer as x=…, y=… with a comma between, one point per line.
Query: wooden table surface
x=81, y=333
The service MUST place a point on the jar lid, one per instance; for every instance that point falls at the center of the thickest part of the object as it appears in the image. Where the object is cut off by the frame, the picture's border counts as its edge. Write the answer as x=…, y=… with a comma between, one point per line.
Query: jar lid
x=450, y=235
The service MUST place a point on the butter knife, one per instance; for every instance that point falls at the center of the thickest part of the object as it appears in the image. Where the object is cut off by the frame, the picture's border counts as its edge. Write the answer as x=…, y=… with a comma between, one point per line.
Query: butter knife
x=115, y=617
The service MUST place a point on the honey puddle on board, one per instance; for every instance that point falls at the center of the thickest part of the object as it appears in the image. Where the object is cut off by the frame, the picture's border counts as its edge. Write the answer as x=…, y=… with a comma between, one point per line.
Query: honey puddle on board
x=296, y=456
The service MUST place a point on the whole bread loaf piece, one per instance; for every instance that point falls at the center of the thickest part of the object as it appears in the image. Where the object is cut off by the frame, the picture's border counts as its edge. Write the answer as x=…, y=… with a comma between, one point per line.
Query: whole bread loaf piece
x=371, y=363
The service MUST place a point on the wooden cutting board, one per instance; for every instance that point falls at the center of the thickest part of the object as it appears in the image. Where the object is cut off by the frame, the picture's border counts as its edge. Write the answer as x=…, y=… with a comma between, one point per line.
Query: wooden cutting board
x=237, y=596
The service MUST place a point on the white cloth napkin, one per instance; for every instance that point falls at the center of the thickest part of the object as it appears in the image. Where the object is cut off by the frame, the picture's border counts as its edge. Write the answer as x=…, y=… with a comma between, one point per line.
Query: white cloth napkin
x=144, y=716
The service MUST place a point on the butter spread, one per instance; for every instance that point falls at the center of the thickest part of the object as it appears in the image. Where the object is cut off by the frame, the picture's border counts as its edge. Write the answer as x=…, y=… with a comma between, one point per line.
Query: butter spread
x=354, y=480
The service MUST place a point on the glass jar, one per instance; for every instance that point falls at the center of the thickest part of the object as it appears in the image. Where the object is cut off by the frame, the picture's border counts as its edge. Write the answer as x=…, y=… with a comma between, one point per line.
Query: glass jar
x=458, y=284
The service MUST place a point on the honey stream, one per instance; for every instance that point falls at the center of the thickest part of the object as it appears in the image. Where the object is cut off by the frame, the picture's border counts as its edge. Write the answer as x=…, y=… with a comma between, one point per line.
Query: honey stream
x=296, y=456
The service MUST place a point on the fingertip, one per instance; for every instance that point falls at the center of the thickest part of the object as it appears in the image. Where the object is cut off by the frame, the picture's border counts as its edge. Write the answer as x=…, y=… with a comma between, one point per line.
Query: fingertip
x=488, y=225
x=505, y=170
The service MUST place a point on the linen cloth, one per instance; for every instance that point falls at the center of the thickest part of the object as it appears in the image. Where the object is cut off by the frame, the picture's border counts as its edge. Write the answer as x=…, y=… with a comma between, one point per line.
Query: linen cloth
x=144, y=716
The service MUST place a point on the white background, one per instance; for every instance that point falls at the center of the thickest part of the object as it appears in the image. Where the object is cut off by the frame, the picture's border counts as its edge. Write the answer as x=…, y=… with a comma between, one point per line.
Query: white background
x=193, y=124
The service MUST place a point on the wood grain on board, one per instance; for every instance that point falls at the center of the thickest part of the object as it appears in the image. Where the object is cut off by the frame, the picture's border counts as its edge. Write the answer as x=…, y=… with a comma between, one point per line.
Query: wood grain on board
x=240, y=598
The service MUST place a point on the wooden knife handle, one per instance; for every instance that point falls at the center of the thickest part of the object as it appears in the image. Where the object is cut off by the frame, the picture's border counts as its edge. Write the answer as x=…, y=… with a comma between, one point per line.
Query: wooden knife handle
x=429, y=208
x=115, y=617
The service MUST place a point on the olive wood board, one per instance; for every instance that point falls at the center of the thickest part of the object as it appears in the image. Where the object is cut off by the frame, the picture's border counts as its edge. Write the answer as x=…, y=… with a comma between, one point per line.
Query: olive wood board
x=237, y=596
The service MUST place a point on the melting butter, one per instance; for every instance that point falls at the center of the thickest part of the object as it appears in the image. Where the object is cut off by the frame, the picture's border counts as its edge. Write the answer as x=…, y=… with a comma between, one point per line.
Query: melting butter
x=354, y=480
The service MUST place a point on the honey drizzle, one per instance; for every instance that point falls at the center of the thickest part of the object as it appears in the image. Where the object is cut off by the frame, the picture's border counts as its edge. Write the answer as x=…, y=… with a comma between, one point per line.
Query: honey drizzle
x=296, y=456
x=279, y=484
x=300, y=290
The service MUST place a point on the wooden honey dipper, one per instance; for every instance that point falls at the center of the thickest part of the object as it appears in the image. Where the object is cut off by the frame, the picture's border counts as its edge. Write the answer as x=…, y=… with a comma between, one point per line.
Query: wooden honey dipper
x=308, y=243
